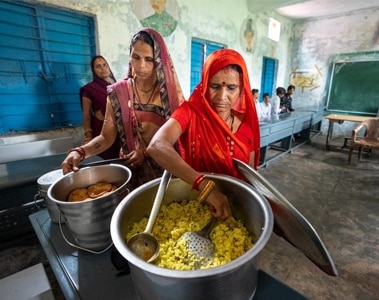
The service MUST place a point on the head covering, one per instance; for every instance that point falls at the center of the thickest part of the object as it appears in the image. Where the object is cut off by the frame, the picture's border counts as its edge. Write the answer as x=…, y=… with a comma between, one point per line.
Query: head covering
x=97, y=89
x=169, y=87
x=212, y=127
x=93, y=68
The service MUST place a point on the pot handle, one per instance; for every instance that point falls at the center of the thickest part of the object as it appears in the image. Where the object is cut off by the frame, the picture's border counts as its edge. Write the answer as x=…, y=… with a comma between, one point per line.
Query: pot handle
x=104, y=162
x=76, y=246
x=37, y=200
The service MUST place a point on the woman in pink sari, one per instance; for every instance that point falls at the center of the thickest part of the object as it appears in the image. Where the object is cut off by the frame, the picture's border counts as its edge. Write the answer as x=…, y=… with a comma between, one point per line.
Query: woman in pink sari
x=217, y=124
x=137, y=107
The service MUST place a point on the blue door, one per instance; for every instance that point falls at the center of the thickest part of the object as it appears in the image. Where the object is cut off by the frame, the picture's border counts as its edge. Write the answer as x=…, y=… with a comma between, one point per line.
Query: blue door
x=44, y=55
x=268, y=80
x=200, y=49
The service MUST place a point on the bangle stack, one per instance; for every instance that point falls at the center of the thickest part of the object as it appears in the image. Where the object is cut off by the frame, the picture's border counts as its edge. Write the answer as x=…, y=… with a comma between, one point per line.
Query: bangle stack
x=79, y=150
x=196, y=183
x=206, y=191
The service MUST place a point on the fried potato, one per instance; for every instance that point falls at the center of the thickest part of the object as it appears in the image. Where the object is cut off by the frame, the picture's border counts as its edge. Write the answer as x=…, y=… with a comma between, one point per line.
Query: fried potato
x=99, y=189
x=78, y=195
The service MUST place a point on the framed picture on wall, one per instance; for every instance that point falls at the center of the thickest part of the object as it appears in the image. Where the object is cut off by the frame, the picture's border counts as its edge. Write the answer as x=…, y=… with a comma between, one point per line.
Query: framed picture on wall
x=160, y=15
x=248, y=35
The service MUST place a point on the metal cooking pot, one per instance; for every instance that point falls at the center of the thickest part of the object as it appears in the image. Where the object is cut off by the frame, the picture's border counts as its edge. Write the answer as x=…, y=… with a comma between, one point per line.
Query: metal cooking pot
x=44, y=183
x=89, y=221
x=234, y=280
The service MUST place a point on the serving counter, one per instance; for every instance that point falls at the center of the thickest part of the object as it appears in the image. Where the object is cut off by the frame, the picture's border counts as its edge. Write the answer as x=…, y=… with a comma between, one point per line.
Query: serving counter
x=83, y=275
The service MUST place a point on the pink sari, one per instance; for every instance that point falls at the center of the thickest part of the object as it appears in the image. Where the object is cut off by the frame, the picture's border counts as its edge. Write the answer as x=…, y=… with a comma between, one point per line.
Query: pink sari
x=129, y=118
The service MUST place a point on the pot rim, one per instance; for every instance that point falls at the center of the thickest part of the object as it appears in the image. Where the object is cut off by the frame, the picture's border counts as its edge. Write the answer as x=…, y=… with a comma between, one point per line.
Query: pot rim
x=182, y=274
x=60, y=202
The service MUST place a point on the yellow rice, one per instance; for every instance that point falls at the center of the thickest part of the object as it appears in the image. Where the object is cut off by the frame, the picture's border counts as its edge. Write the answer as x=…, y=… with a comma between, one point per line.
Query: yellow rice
x=230, y=237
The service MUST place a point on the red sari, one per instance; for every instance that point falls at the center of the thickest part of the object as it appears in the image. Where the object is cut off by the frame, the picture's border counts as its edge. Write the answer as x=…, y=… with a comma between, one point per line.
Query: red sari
x=207, y=143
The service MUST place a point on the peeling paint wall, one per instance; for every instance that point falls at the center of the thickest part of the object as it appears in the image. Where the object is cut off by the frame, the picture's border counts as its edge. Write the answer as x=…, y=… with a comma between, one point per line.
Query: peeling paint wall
x=214, y=20
x=304, y=46
x=314, y=42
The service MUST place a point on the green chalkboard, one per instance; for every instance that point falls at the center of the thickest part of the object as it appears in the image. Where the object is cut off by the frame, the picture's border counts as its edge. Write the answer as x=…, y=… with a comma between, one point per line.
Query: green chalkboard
x=354, y=87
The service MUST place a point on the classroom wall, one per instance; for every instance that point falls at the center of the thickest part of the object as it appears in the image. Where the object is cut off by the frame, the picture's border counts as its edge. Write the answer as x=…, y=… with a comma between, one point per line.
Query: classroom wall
x=214, y=20
x=314, y=42
x=303, y=49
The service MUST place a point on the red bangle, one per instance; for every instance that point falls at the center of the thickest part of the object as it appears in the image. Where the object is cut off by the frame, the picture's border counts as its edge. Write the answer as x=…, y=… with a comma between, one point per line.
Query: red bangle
x=196, y=182
x=79, y=150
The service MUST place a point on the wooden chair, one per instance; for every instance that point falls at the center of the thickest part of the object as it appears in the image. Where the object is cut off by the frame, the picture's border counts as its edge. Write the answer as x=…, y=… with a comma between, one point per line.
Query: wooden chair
x=370, y=140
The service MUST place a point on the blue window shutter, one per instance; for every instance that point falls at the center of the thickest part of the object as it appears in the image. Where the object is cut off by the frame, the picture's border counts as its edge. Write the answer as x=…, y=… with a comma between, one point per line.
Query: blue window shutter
x=200, y=49
x=45, y=55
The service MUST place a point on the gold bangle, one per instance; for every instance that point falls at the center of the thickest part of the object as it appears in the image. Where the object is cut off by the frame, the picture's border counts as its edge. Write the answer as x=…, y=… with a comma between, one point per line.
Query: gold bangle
x=206, y=190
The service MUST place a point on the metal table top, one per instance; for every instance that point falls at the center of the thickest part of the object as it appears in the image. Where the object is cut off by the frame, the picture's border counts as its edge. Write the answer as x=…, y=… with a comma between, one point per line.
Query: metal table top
x=83, y=275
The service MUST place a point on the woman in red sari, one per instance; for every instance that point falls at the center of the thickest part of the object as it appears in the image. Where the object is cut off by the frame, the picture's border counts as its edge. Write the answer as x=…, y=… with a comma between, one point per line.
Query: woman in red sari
x=217, y=124
x=136, y=108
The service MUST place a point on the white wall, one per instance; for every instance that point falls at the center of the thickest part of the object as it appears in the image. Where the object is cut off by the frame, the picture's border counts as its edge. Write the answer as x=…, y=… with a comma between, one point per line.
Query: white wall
x=214, y=20
x=314, y=42
x=302, y=46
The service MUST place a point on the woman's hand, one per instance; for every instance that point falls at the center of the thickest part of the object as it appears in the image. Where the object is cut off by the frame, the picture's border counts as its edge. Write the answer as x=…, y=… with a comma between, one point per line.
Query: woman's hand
x=219, y=204
x=135, y=158
x=71, y=162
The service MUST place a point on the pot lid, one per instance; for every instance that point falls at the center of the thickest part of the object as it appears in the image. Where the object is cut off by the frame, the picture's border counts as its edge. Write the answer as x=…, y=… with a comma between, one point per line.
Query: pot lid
x=289, y=223
x=49, y=178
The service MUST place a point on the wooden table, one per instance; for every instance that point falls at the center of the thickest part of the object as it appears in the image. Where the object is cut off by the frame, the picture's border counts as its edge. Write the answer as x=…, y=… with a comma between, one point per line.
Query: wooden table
x=337, y=118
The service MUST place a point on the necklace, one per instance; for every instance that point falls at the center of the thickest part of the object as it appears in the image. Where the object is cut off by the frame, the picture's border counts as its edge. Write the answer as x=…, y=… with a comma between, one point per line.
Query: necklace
x=232, y=122
x=148, y=90
x=231, y=118
x=137, y=99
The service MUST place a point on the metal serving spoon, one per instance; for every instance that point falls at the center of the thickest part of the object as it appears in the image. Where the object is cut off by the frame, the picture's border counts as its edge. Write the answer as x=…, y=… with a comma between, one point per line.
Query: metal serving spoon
x=144, y=244
x=200, y=245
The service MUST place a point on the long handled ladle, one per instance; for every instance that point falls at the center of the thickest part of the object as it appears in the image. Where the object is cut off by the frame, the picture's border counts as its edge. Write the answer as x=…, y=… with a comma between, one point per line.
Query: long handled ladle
x=144, y=244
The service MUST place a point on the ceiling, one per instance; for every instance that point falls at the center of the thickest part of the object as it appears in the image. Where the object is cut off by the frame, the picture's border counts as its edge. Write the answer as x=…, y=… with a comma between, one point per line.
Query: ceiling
x=306, y=9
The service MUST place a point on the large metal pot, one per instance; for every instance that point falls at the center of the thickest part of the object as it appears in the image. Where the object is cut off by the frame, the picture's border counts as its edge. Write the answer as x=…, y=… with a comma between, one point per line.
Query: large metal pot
x=89, y=221
x=235, y=280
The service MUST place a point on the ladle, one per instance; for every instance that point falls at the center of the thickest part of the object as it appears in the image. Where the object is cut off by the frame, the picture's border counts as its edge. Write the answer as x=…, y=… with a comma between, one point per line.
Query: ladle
x=200, y=245
x=144, y=244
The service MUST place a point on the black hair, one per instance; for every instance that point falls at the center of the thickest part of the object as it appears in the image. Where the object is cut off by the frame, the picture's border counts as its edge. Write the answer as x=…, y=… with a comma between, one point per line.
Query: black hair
x=290, y=87
x=255, y=91
x=236, y=68
x=93, y=63
x=280, y=90
x=143, y=37
x=266, y=94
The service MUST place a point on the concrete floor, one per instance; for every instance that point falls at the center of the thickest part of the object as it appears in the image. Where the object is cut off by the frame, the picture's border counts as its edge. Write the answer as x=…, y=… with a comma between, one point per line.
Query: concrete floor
x=341, y=202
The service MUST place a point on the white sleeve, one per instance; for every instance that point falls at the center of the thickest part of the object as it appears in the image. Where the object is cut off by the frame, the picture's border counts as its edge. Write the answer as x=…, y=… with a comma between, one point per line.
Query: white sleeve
x=275, y=106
